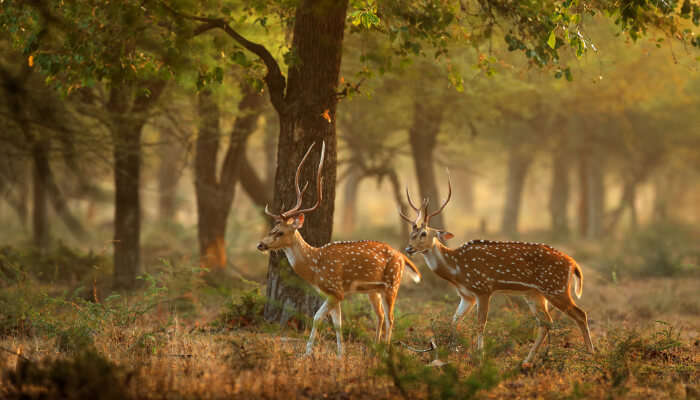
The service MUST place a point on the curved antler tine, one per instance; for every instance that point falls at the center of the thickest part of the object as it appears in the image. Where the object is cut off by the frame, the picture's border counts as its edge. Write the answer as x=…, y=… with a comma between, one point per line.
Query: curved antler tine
x=319, y=181
x=268, y=212
x=449, y=196
x=300, y=193
x=405, y=217
x=410, y=202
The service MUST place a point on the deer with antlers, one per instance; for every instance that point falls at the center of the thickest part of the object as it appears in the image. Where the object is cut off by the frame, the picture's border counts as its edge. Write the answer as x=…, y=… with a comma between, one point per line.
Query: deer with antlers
x=480, y=268
x=339, y=269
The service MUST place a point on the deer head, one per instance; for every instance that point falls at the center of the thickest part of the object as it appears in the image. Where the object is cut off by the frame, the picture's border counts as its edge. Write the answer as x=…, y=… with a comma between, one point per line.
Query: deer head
x=287, y=222
x=423, y=237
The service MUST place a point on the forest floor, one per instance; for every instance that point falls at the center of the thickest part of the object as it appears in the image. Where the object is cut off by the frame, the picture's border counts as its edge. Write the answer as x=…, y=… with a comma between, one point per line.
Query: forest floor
x=646, y=333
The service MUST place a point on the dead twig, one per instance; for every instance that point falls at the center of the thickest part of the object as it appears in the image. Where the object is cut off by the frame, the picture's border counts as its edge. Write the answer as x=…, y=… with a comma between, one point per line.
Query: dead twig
x=432, y=347
x=18, y=353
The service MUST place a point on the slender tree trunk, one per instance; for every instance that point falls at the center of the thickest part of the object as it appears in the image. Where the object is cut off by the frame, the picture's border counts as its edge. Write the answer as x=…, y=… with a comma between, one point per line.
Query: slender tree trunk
x=583, y=187
x=312, y=91
x=352, y=185
x=427, y=119
x=469, y=198
x=398, y=198
x=60, y=205
x=270, y=142
x=663, y=183
x=596, y=203
x=257, y=189
x=168, y=174
x=627, y=200
x=632, y=205
x=519, y=162
x=40, y=156
x=559, y=196
x=215, y=193
x=23, y=197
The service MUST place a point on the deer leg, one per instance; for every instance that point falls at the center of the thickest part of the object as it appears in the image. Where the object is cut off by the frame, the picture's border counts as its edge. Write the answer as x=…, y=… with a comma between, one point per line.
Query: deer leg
x=319, y=316
x=466, y=303
x=578, y=315
x=482, y=307
x=388, y=299
x=336, y=316
x=582, y=320
x=538, y=306
x=376, y=301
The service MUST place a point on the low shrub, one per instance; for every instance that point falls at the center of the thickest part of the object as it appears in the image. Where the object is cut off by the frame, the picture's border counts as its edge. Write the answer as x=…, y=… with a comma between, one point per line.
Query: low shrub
x=660, y=249
x=245, y=311
x=445, y=381
x=86, y=375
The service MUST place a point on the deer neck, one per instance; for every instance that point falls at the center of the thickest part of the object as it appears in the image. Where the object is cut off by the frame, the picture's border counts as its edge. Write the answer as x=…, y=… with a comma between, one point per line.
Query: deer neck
x=438, y=260
x=302, y=256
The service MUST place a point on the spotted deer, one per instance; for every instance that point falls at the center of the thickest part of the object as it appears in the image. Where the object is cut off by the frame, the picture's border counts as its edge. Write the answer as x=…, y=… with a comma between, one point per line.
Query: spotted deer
x=480, y=268
x=339, y=269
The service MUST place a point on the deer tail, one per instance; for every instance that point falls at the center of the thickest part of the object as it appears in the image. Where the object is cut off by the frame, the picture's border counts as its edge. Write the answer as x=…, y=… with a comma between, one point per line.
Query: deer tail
x=578, y=275
x=411, y=269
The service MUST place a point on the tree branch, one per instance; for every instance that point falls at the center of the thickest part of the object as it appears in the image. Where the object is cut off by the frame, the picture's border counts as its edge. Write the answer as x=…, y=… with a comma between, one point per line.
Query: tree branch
x=274, y=79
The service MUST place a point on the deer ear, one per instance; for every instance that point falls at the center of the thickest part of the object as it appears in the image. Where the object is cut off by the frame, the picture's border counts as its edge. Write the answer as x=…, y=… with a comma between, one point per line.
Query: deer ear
x=444, y=235
x=298, y=221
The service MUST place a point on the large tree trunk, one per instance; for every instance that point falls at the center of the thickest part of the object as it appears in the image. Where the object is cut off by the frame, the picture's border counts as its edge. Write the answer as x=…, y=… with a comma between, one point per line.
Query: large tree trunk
x=129, y=114
x=40, y=157
x=519, y=162
x=423, y=136
x=312, y=90
x=127, y=211
x=215, y=193
x=559, y=195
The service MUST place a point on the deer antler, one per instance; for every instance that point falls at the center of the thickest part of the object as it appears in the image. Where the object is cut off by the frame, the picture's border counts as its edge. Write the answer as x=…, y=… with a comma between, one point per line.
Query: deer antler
x=300, y=192
x=421, y=213
x=449, y=195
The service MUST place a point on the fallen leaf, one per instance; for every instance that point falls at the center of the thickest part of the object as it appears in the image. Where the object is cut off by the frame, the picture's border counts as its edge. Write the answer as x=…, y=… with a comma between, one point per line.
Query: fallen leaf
x=326, y=114
x=30, y=61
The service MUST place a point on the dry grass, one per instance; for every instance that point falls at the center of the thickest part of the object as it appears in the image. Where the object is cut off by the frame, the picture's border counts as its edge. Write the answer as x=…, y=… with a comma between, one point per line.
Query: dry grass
x=165, y=356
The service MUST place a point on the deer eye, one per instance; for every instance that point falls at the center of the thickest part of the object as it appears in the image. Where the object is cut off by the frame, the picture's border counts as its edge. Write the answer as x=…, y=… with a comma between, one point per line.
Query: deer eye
x=422, y=234
x=278, y=234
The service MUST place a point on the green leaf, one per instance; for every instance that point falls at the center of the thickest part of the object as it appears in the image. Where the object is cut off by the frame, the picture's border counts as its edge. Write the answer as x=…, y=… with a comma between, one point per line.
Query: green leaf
x=552, y=41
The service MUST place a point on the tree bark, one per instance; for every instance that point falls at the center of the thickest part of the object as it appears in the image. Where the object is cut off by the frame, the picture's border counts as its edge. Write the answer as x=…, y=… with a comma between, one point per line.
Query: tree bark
x=519, y=162
x=559, y=196
x=595, y=202
x=352, y=185
x=170, y=156
x=401, y=204
x=583, y=187
x=60, y=205
x=127, y=214
x=40, y=157
x=215, y=193
x=128, y=114
x=427, y=119
x=312, y=91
